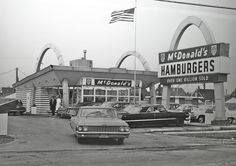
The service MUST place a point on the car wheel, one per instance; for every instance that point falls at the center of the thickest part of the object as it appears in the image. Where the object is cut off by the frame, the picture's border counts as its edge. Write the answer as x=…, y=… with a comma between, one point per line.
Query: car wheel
x=120, y=141
x=201, y=119
x=230, y=120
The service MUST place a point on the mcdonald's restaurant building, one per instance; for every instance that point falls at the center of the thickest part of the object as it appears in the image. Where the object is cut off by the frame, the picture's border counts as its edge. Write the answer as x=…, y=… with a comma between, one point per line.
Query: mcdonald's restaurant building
x=81, y=82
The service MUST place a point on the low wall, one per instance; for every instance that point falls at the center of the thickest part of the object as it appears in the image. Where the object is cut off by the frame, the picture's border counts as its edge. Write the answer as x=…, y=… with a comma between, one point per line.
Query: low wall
x=3, y=123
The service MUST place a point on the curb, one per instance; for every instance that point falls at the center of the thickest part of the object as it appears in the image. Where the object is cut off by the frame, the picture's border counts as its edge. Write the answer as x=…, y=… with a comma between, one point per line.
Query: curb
x=37, y=115
x=200, y=132
x=185, y=129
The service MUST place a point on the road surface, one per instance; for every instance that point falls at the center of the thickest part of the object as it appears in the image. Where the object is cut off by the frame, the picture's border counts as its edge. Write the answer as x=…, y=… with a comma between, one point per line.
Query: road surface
x=48, y=141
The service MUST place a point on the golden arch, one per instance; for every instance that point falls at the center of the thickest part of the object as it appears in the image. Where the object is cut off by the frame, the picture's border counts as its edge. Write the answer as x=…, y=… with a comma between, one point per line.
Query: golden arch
x=191, y=20
x=137, y=55
x=44, y=50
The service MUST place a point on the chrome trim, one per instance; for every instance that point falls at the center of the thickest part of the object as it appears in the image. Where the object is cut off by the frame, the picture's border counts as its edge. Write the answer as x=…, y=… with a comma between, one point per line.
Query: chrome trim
x=143, y=120
x=89, y=132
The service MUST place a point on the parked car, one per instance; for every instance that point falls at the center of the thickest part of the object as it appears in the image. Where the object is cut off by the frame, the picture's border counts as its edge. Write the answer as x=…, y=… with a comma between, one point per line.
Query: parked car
x=99, y=122
x=67, y=113
x=173, y=106
x=200, y=113
x=187, y=108
x=118, y=106
x=13, y=107
x=154, y=115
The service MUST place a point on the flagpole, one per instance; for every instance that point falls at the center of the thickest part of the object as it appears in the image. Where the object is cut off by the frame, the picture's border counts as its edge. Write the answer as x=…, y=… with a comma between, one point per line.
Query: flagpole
x=135, y=29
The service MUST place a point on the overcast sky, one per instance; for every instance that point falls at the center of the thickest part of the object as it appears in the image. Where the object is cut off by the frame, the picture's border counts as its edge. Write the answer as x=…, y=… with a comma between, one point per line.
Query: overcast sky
x=26, y=26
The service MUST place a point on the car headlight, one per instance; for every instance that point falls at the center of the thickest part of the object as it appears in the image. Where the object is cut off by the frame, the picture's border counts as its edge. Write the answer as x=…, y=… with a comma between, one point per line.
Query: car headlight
x=79, y=128
x=127, y=129
x=122, y=129
x=85, y=128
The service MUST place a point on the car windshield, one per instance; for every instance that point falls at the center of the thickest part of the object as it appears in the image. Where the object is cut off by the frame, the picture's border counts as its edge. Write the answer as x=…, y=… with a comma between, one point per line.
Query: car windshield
x=98, y=113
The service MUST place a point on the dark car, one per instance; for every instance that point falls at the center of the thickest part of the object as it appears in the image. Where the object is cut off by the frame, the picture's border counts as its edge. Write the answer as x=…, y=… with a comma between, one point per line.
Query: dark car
x=153, y=116
x=13, y=107
x=118, y=106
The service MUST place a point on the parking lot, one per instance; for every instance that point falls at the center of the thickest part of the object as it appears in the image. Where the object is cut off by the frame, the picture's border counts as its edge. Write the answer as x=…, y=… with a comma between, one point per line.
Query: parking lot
x=40, y=136
x=51, y=133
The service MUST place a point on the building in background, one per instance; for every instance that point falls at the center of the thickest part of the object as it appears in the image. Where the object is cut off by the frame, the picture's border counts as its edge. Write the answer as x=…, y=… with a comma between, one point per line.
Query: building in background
x=81, y=82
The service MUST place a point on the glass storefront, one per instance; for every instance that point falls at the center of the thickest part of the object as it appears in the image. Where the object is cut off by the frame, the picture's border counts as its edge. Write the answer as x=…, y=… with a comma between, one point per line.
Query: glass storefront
x=102, y=90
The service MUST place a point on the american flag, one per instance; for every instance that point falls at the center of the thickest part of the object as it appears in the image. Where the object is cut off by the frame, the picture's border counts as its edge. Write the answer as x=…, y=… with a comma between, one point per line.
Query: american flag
x=122, y=15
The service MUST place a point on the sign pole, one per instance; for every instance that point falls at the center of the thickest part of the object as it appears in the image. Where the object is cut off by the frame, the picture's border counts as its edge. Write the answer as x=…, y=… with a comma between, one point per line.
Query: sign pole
x=135, y=29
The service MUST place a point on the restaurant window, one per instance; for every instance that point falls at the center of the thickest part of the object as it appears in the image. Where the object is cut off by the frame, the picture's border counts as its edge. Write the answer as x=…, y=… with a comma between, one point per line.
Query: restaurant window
x=123, y=99
x=100, y=99
x=132, y=99
x=88, y=91
x=132, y=92
x=88, y=98
x=111, y=98
x=100, y=92
x=123, y=92
x=112, y=92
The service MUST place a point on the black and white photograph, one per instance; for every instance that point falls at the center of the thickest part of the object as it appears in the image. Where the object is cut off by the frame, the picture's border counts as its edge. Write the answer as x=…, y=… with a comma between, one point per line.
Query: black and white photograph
x=117, y=82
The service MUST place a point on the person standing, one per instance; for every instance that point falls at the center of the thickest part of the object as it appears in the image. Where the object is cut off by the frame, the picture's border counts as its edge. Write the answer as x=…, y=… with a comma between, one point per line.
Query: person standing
x=53, y=103
x=58, y=105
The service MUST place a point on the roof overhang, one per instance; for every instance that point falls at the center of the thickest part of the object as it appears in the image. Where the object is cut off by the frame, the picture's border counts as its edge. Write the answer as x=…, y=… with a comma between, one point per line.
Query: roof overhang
x=52, y=76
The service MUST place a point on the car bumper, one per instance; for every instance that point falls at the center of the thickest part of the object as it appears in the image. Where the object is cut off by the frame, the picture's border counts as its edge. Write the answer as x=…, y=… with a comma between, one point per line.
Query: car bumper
x=102, y=135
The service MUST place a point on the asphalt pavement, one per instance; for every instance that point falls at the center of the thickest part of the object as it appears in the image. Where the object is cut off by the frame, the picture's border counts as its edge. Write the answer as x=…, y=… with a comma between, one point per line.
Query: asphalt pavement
x=36, y=133
x=49, y=141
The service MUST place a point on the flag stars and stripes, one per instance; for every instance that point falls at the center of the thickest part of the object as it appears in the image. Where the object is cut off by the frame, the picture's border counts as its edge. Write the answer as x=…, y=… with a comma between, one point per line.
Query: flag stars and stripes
x=123, y=15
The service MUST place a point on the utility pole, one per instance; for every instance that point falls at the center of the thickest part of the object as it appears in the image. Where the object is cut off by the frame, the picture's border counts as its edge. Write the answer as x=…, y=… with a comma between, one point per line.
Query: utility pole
x=17, y=76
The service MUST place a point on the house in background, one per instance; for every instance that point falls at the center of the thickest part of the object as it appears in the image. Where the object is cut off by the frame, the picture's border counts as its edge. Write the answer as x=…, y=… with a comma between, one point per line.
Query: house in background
x=178, y=96
x=207, y=96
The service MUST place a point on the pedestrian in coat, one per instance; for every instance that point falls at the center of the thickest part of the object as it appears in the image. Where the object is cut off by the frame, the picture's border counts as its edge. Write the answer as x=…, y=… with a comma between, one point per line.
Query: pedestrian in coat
x=53, y=103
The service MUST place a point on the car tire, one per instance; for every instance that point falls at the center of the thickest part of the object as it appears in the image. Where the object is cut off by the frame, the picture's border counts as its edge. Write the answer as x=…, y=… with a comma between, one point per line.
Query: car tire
x=120, y=141
x=230, y=120
x=201, y=119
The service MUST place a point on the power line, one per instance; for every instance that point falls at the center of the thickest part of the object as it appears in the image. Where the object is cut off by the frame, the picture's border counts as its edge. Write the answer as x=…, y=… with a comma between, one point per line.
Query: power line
x=197, y=4
x=3, y=73
x=22, y=72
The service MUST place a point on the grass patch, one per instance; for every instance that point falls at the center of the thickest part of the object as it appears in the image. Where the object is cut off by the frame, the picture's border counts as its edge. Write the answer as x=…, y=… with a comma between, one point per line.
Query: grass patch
x=5, y=139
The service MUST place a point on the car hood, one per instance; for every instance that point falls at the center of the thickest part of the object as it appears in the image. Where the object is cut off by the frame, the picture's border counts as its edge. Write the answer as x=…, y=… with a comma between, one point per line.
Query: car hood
x=101, y=122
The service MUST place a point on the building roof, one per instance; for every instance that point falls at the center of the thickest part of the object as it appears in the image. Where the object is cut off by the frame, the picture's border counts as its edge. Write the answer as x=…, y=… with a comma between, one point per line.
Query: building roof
x=232, y=100
x=53, y=75
x=178, y=92
x=207, y=94
x=173, y=92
